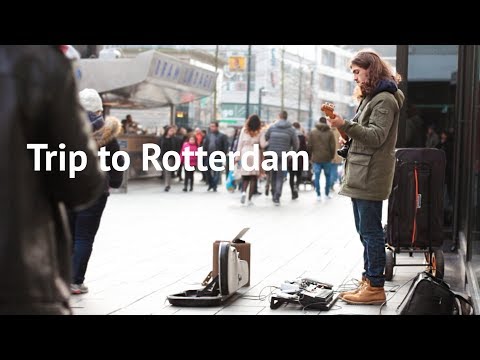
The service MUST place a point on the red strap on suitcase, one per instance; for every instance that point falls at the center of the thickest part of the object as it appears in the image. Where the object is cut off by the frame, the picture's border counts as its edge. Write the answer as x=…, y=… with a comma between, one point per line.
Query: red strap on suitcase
x=414, y=232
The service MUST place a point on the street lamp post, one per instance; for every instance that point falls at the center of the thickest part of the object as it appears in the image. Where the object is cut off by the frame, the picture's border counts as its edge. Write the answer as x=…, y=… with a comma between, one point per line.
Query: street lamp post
x=260, y=94
x=215, y=92
x=299, y=110
x=310, y=100
x=249, y=64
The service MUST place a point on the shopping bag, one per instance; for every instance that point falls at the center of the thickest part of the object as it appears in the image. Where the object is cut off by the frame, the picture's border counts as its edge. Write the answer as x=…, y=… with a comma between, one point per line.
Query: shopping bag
x=230, y=183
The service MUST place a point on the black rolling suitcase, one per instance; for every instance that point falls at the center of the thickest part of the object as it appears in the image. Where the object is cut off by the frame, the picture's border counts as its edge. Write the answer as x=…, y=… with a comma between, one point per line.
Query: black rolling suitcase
x=415, y=207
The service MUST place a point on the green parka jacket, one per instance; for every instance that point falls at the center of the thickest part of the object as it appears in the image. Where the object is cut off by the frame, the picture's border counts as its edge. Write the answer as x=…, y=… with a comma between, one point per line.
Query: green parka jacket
x=370, y=163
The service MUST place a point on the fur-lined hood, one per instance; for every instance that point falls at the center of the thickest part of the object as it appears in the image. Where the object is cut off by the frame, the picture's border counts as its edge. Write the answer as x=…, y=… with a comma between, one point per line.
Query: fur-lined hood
x=108, y=132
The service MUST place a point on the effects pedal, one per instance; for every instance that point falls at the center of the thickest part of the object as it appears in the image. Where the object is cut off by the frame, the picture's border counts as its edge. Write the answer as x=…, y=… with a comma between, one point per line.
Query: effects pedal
x=307, y=292
x=311, y=281
x=318, y=298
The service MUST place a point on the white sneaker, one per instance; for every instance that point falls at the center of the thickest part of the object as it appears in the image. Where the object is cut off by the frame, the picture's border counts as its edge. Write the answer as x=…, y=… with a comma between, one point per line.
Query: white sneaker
x=329, y=196
x=242, y=199
x=250, y=203
x=77, y=289
x=319, y=197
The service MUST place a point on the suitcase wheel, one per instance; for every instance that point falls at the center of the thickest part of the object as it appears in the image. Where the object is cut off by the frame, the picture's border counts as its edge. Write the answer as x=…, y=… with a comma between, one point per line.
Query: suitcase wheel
x=389, y=264
x=436, y=263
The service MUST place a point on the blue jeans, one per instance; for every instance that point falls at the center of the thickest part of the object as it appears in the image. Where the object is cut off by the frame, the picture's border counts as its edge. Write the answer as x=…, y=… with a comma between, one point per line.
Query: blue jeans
x=368, y=221
x=212, y=178
x=334, y=173
x=277, y=180
x=317, y=171
x=84, y=226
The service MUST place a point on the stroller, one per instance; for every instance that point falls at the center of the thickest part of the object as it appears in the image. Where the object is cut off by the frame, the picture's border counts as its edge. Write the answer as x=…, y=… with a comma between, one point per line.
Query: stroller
x=307, y=178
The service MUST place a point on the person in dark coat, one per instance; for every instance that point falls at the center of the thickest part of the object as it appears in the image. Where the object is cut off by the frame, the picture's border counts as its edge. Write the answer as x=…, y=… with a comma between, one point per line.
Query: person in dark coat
x=296, y=175
x=84, y=224
x=169, y=142
x=214, y=141
x=39, y=103
x=281, y=138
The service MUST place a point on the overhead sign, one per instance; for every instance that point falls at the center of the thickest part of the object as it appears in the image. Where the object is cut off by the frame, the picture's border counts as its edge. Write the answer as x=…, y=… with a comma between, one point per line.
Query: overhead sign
x=173, y=70
x=151, y=79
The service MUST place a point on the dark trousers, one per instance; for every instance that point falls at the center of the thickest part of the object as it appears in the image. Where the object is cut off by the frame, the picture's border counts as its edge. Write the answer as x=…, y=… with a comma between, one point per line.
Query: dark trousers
x=179, y=173
x=84, y=226
x=295, y=175
x=189, y=178
x=249, y=181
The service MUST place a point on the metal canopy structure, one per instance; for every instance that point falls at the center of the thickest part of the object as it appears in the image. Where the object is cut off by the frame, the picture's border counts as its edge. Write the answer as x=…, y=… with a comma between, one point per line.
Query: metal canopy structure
x=152, y=79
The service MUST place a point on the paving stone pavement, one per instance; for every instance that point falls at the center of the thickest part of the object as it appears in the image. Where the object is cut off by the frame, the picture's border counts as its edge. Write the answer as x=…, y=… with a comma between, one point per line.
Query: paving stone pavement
x=153, y=243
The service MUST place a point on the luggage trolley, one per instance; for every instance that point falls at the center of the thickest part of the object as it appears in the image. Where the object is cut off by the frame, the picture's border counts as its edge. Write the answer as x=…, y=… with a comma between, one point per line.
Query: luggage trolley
x=415, y=210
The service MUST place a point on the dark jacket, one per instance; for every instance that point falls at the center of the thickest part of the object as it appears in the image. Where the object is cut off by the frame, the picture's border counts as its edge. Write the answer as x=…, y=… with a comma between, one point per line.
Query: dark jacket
x=281, y=136
x=302, y=142
x=221, y=142
x=170, y=144
x=39, y=105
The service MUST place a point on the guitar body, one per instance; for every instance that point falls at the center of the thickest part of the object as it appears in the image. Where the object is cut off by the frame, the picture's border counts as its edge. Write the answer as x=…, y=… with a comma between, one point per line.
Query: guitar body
x=328, y=108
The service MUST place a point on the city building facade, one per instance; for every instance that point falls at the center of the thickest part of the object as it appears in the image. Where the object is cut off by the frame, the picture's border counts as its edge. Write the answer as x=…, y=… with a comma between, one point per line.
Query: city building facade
x=280, y=78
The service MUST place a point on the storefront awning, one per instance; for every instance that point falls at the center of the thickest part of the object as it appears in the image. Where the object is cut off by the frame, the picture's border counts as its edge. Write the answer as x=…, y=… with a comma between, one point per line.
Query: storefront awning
x=151, y=79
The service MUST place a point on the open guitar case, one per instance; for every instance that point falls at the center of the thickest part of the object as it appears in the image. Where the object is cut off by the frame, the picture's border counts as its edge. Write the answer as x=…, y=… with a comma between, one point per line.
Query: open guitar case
x=233, y=273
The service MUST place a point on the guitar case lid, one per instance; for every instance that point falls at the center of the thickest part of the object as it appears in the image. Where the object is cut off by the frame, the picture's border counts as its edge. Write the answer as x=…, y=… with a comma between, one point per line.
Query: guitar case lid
x=233, y=274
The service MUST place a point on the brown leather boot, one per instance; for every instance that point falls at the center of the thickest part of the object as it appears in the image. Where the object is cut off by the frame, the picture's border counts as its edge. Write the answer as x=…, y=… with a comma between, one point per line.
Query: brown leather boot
x=368, y=295
x=354, y=291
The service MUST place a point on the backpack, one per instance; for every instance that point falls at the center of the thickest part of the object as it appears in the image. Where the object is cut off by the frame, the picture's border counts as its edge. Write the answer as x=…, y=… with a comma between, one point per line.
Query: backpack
x=429, y=295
